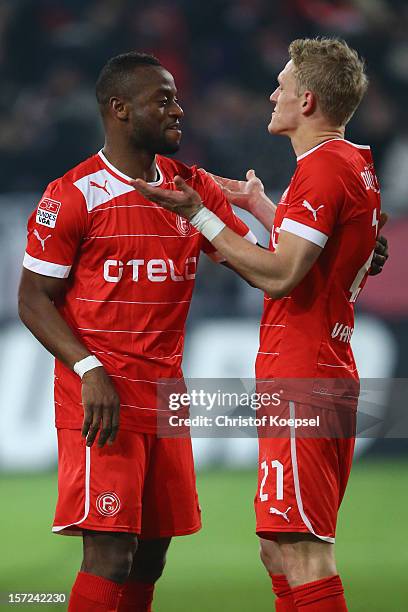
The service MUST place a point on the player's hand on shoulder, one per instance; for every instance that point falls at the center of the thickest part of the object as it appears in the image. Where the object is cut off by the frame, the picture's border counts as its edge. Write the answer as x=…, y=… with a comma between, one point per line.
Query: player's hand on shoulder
x=381, y=249
x=101, y=407
x=244, y=194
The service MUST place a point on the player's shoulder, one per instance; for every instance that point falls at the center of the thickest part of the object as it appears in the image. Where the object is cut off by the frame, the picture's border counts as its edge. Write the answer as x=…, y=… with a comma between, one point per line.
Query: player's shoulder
x=333, y=157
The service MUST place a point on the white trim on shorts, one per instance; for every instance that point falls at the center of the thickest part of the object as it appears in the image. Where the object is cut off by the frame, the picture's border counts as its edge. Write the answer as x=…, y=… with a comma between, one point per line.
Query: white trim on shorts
x=59, y=529
x=295, y=471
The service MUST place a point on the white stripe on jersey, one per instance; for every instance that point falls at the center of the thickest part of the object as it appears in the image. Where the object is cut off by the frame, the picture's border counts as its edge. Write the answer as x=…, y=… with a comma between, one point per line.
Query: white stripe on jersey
x=304, y=231
x=142, y=236
x=127, y=331
x=129, y=302
x=328, y=365
x=153, y=382
x=46, y=268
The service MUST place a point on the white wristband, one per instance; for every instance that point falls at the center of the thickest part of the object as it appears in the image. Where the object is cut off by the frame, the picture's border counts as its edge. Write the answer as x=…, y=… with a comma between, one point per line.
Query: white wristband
x=207, y=223
x=86, y=364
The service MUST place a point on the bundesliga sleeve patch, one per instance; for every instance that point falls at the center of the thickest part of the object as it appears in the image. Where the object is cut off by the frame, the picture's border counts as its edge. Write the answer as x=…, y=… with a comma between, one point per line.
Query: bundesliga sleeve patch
x=47, y=212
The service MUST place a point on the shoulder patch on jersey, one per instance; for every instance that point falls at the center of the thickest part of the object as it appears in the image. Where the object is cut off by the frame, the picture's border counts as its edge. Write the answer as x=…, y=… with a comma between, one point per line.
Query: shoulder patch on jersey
x=101, y=187
x=47, y=212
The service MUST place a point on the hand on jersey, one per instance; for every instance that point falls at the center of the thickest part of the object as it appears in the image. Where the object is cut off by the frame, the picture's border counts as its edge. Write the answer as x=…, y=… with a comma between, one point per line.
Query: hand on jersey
x=184, y=202
x=101, y=407
x=381, y=249
x=244, y=194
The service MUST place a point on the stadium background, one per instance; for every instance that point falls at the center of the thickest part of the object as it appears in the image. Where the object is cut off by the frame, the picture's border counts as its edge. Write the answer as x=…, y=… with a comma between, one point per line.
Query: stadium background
x=225, y=56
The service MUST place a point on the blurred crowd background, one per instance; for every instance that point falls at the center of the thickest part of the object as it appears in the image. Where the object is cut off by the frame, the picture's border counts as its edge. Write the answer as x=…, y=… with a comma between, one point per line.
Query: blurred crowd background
x=225, y=56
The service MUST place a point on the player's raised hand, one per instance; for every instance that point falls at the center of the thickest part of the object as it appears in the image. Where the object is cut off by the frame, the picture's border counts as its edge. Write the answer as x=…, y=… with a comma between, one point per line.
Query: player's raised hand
x=185, y=201
x=244, y=194
x=381, y=249
x=101, y=407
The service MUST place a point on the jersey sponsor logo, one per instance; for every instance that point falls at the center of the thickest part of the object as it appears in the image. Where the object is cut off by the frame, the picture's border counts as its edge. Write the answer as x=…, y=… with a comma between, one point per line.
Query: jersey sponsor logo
x=370, y=178
x=183, y=226
x=342, y=332
x=42, y=240
x=309, y=207
x=108, y=503
x=155, y=270
x=273, y=510
x=103, y=187
x=47, y=212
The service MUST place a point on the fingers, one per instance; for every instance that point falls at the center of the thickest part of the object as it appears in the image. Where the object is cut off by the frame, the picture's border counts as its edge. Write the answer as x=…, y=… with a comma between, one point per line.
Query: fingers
x=182, y=185
x=108, y=432
x=94, y=425
x=383, y=220
x=250, y=174
x=115, y=425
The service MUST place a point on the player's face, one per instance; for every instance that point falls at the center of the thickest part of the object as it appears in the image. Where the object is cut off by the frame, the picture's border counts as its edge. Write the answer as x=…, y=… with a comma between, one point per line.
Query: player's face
x=155, y=114
x=287, y=103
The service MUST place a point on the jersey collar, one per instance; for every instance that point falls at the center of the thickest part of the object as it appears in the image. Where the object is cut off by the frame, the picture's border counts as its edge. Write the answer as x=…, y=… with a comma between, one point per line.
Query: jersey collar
x=129, y=178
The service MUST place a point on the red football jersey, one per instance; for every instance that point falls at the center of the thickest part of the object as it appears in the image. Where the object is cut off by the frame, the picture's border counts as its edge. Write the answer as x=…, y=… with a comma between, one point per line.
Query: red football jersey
x=333, y=200
x=130, y=267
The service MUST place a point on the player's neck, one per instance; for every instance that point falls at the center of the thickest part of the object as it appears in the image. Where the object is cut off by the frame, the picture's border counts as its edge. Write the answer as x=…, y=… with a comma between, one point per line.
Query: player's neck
x=304, y=139
x=135, y=164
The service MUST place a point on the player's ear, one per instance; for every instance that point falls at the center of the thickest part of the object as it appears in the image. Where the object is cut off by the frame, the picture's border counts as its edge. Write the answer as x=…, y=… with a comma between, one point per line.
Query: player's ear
x=308, y=102
x=119, y=108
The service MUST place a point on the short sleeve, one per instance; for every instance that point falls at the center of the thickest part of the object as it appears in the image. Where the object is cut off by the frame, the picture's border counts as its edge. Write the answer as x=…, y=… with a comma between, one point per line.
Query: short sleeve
x=214, y=199
x=314, y=200
x=55, y=230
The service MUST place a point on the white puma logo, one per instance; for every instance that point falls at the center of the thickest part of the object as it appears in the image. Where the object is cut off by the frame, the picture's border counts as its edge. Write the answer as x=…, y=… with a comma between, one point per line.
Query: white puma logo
x=273, y=510
x=42, y=240
x=307, y=205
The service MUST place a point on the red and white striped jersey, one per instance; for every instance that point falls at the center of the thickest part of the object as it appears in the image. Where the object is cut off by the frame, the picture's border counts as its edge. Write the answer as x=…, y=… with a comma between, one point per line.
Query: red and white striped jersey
x=130, y=267
x=333, y=200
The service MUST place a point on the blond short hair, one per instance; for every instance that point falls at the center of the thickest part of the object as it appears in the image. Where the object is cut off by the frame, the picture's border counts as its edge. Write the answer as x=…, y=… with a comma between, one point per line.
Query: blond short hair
x=333, y=72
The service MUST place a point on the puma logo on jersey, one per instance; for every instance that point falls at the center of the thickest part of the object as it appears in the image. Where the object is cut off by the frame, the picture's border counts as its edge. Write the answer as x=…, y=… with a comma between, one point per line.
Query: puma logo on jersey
x=309, y=207
x=273, y=510
x=342, y=332
x=103, y=187
x=42, y=240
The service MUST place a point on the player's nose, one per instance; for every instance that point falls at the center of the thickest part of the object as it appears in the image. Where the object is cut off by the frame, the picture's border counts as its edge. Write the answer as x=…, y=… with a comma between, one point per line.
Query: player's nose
x=176, y=110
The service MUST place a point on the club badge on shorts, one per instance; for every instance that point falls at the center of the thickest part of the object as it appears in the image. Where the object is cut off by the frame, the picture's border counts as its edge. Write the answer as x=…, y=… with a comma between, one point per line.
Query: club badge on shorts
x=108, y=504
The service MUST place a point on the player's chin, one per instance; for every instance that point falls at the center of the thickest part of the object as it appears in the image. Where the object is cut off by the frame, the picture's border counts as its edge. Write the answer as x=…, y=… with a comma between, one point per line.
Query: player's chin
x=273, y=127
x=171, y=143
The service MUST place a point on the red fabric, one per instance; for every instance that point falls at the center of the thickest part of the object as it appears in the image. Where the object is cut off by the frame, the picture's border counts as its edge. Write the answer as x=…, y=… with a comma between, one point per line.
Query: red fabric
x=333, y=201
x=93, y=594
x=284, y=598
x=132, y=266
x=136, y=597
x=325, y=595
x=158, y=500
x=321, y=468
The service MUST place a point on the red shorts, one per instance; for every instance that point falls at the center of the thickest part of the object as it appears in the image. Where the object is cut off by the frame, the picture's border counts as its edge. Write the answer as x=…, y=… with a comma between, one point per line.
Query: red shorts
x=141, y=484
x=301, y=480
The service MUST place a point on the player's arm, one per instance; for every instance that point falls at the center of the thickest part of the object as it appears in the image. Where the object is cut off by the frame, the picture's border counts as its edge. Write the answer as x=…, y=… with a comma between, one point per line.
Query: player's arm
x=275, y=273
x=37, y=311
x=249, y=195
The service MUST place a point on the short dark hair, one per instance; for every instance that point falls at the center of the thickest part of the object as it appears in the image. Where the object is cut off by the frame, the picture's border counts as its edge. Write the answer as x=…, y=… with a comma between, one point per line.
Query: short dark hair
x=113, y=80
